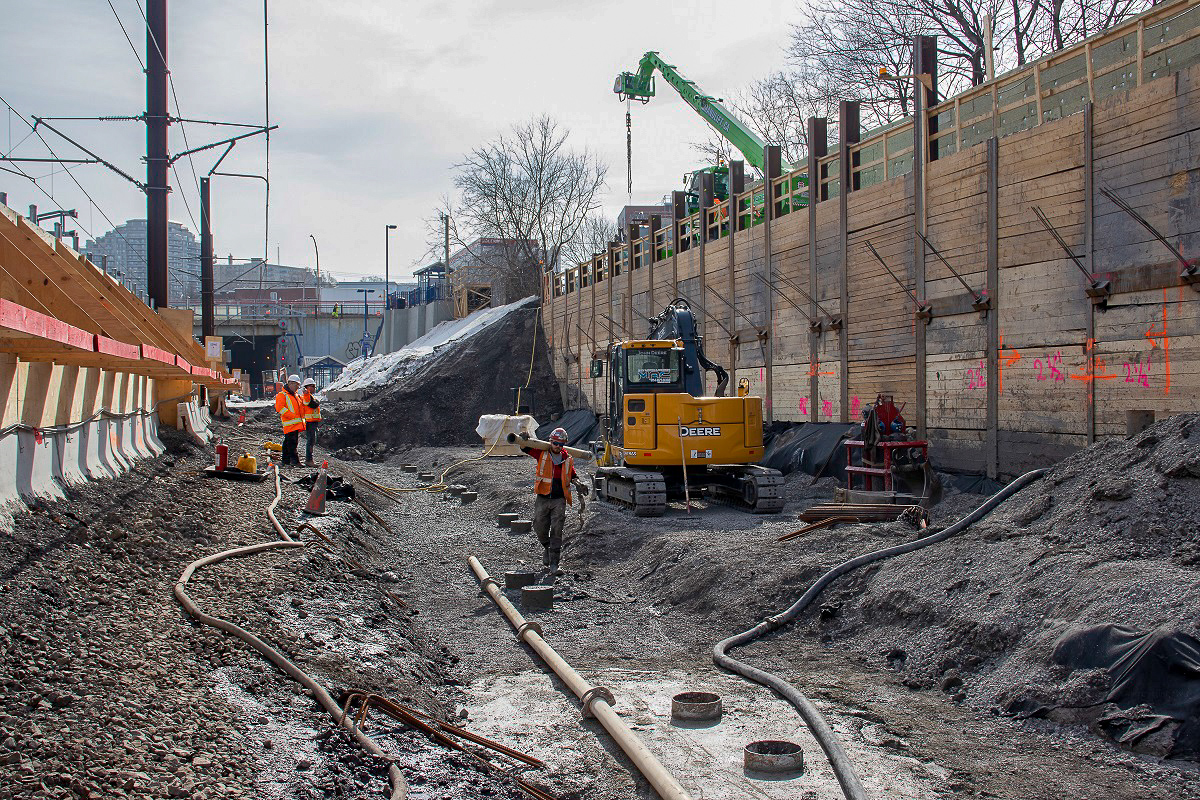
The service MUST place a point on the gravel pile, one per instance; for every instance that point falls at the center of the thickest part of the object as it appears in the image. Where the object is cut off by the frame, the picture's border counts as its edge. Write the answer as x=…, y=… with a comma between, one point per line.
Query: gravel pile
x=441, y=401
x=107, y=690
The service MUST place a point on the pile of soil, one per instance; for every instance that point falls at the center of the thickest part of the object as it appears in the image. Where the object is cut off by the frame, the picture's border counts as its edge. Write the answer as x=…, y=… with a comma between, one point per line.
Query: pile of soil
x=440, y=402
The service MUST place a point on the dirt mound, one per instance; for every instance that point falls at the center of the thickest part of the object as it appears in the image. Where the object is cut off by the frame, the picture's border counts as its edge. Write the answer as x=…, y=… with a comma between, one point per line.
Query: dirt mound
x=440, y=401
x=1108, y=540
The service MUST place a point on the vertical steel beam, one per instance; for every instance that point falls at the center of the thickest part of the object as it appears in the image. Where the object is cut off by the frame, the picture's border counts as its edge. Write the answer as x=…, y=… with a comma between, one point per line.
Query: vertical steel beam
x=849, y=132
x=678, y=212
x=773, y=163
x=818, y=147
x=654, y=227
x=993, y=314
x=1089, y=247
x=924, y=64
x=157, y=120
x=737, y=185
x=208, y=322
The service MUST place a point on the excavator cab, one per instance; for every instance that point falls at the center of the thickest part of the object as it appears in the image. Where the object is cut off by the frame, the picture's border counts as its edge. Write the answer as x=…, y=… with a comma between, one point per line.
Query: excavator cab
x=691, y=184
x=666, y=432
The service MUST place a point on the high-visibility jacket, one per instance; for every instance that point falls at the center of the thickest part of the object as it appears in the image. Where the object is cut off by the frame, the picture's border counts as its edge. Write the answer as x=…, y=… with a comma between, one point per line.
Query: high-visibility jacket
x=310, y=414
x=291, y=412
x=545, y=474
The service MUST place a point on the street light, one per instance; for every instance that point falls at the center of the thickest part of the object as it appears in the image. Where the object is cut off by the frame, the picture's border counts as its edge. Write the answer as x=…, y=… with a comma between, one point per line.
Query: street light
x=317, y=253
x=387, y=291
x=366, y=342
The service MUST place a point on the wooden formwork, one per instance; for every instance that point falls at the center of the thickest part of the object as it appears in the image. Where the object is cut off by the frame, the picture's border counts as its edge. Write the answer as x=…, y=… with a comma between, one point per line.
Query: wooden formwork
x=1013, y=370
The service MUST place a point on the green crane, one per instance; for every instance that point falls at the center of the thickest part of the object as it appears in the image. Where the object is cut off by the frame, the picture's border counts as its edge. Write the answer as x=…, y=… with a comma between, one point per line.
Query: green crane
x=640, y=86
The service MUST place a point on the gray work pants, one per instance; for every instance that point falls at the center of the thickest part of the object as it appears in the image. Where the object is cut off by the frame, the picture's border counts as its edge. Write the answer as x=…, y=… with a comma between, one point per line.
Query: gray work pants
x=548, y=519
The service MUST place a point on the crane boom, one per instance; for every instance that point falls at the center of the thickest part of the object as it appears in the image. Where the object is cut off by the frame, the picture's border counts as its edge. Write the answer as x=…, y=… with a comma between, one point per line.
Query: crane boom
x=640, y=86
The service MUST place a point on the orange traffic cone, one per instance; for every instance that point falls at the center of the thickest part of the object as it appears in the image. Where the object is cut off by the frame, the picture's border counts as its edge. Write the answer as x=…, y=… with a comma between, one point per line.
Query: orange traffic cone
x=316, y=498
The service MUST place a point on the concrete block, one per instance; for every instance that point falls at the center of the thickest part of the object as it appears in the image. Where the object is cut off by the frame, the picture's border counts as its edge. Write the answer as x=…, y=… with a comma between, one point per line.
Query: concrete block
x=150, y=425
x=110, y=447
x=9, y=494
x=66, y=457
x=91, y=447
x=35, y=467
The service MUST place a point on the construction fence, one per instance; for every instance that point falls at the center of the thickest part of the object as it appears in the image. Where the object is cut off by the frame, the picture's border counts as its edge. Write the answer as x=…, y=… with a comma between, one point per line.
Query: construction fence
x=1016, y=264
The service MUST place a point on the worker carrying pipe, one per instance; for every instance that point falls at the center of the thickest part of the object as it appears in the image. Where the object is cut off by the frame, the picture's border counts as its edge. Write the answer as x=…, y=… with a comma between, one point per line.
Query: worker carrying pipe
x=291, y=416
x=555, y=476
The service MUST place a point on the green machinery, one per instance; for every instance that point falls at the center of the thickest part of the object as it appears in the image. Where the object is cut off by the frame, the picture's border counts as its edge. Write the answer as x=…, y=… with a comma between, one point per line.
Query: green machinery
x=640, y=86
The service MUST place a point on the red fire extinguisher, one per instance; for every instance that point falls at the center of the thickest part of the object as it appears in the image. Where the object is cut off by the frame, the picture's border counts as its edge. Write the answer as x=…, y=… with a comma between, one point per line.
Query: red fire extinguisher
x=222, y=457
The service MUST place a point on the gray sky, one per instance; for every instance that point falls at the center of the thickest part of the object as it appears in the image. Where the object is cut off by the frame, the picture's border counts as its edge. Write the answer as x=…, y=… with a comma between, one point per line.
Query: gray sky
x=376, y=102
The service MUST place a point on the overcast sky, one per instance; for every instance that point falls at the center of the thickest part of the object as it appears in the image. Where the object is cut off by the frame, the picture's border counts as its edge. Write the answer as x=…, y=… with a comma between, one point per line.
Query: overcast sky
x=376, y=101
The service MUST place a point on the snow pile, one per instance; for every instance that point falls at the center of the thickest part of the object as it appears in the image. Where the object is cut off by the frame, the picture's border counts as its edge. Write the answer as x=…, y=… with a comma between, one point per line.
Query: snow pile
x=377, y=371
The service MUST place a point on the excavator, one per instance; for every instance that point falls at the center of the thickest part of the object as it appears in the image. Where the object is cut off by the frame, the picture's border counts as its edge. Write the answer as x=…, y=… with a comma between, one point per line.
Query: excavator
x=640, y=86
x=665, y=440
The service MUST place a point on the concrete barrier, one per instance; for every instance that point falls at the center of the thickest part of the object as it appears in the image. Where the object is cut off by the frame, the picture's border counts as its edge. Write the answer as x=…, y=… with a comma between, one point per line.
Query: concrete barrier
x=35, y=467
x=150, y=426
x=66, y=457
x=9, y=494
x=91, y=452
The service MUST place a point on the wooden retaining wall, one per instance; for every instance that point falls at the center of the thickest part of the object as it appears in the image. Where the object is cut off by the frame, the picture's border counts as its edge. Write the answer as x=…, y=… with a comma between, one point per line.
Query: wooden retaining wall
x=791, y=296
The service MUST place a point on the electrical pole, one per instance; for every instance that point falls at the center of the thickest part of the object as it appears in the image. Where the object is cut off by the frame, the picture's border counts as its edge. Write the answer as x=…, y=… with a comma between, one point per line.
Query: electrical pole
x=208, y=322
x=156, y=151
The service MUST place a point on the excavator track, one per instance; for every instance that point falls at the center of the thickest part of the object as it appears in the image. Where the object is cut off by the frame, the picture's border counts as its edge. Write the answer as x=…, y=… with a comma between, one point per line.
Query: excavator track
x=642, y=490
x=756, y=489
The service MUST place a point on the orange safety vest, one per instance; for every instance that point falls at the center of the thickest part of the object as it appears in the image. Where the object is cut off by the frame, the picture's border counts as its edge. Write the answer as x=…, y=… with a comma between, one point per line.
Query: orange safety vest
x=290, y=411
x=310, y=414
x=545, y=474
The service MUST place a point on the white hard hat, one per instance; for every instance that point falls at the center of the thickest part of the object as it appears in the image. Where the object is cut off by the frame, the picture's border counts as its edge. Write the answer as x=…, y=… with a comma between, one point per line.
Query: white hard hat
x=310, y=382
x=295, y=378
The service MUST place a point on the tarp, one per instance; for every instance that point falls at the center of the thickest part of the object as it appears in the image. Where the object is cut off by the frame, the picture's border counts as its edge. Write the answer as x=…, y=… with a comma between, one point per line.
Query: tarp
x=582, y=426
x=809, y=447
x=1156, y=670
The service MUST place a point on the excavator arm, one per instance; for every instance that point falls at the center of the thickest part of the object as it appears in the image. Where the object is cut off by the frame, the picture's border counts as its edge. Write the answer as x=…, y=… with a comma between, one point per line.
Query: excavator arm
x=677, y=322
x=640, y=86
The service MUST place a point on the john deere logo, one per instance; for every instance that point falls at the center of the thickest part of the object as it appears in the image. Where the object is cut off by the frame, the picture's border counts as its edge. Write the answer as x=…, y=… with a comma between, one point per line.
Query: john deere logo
x=698, y=431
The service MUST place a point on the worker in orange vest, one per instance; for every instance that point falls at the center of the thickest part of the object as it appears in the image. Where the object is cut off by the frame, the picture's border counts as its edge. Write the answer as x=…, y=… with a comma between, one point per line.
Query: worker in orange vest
x=555, y=475
x=291, y=415
x=312, y=418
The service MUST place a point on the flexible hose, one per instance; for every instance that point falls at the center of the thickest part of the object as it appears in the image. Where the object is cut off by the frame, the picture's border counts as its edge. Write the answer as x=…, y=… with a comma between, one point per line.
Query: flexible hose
x=844, y=770
x=399, y=787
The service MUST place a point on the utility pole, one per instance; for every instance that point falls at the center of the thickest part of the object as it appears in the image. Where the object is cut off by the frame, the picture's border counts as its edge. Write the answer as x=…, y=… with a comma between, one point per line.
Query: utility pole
x=387, y=291
x=157, y=121
x=208, y=322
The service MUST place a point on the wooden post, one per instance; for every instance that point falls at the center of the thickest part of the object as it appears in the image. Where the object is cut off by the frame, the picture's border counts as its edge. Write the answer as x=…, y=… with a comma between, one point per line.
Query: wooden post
x=849, y=131
x=773, y=161
x=993, y=314
x=924, y=63
x=818, y=147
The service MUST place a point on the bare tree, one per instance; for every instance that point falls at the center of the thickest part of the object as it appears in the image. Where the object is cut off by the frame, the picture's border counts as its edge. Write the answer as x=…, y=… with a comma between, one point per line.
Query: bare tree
x=593, y=238
x=841, y=49
x=528, y=189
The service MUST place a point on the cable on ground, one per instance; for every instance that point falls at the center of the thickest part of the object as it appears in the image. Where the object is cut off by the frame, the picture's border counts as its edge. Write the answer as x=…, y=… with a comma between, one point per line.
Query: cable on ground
x=852, y=787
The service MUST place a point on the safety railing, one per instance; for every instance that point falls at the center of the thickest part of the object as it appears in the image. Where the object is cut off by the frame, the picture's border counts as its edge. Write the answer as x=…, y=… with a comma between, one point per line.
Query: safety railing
x=664, y=244
x=791, y=192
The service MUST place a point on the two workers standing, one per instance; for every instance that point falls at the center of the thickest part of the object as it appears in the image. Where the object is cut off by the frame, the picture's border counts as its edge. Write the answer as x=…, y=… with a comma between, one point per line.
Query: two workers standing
x=298, y=411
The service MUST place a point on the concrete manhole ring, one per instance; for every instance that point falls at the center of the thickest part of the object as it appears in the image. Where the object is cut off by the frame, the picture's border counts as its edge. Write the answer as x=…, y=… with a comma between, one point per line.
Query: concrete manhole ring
x=696, y=706
x=773, y=756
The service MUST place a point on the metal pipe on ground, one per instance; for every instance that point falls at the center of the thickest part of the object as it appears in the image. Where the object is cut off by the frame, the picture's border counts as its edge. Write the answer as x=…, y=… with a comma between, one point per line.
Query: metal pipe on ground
x=525, y=440
x=597, y=701
x=399, y=787
x=843, y=769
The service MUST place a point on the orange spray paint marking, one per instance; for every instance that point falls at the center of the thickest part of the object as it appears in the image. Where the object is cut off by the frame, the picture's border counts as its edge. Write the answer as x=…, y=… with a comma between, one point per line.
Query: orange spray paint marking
x=1003, y=361
x=1160, y=339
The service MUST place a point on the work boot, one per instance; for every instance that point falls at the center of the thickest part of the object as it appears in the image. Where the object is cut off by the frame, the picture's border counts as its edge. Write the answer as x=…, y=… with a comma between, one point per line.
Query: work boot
x=546, y=557
x=552, y=564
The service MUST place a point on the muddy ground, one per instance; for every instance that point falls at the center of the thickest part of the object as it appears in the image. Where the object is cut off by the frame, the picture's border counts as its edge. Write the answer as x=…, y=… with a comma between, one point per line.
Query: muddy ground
x=110, y=691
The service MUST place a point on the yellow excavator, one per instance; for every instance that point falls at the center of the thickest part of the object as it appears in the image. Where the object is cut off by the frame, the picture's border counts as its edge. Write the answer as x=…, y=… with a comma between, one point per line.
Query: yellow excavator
x=665, y=440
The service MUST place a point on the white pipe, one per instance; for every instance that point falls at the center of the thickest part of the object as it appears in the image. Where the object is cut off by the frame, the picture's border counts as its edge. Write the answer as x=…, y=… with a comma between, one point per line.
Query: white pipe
x=597, y=701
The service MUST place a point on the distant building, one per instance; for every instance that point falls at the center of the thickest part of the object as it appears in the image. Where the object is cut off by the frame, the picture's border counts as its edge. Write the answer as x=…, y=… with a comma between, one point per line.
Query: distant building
x=251, y=275
x=122, y=251
x=498, y=269
x=640, y=215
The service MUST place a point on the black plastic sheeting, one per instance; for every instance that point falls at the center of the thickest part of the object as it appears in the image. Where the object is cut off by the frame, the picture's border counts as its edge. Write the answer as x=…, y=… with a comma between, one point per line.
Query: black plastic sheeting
x=581, y=425
x=814, y=448
x=1158, y=669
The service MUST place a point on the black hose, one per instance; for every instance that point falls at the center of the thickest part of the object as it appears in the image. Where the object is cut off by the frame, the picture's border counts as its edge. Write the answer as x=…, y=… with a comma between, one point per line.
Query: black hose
x=842, y=767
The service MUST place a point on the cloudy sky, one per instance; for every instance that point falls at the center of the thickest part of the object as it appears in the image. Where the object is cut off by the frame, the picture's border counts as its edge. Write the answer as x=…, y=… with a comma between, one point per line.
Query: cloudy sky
x=376, y=101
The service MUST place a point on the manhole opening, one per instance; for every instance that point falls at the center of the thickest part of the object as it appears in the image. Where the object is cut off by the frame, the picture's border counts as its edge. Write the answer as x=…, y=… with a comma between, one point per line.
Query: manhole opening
x=696, y=697
x=773, y=748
